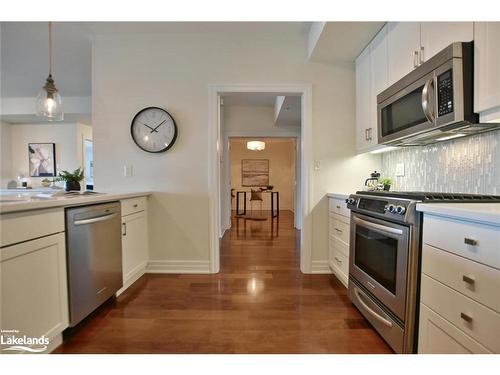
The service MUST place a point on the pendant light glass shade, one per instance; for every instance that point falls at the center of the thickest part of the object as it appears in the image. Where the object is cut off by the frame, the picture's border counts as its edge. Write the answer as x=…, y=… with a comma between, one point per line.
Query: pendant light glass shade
x=48, y=101
x=256, y=145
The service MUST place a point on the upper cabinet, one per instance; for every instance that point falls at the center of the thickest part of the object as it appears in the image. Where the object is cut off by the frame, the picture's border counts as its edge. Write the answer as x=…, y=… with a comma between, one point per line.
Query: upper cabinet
x=486, y=70
x=363, y=95
x=403, y=45
x=435, y=36
x=379, y=75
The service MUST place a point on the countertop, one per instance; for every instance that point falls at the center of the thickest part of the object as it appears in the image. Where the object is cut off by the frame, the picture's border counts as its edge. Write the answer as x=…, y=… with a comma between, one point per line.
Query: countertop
x=338, y=195
x=486, y=213
x=27, y=201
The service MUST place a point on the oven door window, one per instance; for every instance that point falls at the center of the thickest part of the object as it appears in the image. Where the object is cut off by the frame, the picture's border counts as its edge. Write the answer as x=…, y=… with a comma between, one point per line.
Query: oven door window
x=403, y=113
x=377, y=254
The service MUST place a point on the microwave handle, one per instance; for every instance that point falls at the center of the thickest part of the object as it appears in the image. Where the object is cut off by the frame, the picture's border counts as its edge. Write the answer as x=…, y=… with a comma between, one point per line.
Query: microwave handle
x=426, y=103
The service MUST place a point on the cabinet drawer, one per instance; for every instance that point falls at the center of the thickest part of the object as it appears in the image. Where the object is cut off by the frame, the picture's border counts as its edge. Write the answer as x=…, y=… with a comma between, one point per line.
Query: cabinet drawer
x=477, y=321
x=479, y=282
x=339, y=230
x=438, y=336
x=470, y=240
x=339, y=246
x=338, y=258
x=133, y=205
x=338, y=206
x=23, y=226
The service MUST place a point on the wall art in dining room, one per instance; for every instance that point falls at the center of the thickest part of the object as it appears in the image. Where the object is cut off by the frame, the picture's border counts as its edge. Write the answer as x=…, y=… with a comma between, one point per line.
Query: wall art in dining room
x=254, y=172
x=42, y=159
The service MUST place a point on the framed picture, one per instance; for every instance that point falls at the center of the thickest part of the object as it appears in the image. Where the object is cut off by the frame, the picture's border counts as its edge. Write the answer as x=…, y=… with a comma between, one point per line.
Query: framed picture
x=254, y=172
x=42, y=159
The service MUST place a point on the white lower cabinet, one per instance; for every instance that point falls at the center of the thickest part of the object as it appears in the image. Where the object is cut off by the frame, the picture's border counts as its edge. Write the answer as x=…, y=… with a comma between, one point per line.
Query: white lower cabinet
x=338, y=246
x=438, y=336
x=459, y=299
x=34, y=296
x=135, y=245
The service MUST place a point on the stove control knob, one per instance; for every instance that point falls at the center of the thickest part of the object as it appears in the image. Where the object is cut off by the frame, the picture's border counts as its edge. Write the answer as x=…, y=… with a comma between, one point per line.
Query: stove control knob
x=392, y=208
x=401, y=210
x=350, y=201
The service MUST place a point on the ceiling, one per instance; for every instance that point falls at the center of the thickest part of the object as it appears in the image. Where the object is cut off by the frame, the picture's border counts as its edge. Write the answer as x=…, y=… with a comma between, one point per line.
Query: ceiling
x=343, y=41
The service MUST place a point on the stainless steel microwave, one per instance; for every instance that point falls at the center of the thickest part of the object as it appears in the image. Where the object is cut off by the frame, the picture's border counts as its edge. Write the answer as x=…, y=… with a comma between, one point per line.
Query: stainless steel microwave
x=432, y=103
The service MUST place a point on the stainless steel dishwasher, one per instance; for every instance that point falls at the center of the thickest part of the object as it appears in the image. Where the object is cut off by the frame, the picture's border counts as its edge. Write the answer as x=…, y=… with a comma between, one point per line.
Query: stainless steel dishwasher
x=94, y=257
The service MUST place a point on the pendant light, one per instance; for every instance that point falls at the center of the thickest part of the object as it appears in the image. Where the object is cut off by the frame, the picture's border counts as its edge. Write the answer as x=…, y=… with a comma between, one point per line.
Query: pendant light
x=256, y=145
x=48, y=101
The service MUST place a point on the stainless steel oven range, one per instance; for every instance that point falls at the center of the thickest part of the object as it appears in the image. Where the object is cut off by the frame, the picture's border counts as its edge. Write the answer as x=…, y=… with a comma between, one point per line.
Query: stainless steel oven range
x=384, y=259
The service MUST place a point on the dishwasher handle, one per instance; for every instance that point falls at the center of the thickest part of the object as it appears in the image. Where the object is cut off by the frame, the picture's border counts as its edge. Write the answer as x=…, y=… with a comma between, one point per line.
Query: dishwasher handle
x=94, y=219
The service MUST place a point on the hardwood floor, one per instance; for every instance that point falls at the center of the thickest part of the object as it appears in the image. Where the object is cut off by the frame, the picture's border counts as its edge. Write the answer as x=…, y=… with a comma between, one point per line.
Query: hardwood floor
x=260, y=302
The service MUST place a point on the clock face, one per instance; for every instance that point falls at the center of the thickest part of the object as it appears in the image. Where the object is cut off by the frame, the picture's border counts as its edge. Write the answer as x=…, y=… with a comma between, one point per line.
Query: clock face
x=153, y=130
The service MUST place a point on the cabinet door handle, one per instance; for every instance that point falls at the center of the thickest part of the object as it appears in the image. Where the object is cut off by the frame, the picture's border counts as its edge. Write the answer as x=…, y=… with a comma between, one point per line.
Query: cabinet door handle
x=466, y=317
x=124, y=227
x=338, y=230
x=370, y=134
x=470, y=241
x=421, y=56
x=415, y=59
x=338, y=260
x=366, y=134
x=468, y=279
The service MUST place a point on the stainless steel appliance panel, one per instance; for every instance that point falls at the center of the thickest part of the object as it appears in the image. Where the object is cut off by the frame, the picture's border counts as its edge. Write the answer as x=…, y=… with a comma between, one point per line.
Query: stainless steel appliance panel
x=94, y=257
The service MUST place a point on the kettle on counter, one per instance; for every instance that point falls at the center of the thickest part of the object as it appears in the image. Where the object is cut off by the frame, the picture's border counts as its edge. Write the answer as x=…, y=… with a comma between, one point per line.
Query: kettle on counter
x=372, y=182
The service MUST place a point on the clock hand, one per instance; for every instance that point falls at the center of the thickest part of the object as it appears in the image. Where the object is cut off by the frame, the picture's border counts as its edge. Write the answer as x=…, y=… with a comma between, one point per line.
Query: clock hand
x=147, y=126
x=160, y=124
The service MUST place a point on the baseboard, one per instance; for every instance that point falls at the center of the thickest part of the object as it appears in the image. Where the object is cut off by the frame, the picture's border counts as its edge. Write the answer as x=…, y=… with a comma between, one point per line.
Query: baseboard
x=320, y=266
x=133, y=276
x=178, y=266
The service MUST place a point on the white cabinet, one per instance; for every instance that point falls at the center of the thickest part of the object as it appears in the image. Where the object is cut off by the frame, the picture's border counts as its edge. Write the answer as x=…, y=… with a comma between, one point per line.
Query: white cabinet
x=363, y=94
x=34, y=296
x=486, y=70
x=435, y=36
x=459, y=286
x=135, y=244
x=403, y=44
x=338, y=245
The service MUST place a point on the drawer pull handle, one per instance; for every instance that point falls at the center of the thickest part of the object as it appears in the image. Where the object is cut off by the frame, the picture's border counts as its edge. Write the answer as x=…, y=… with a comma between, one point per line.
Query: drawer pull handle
x=468, y=279
x=338, y=230
x=338, y=207
x=470, y=241
x=338, y=260
x=135, y=205
x=466, y=317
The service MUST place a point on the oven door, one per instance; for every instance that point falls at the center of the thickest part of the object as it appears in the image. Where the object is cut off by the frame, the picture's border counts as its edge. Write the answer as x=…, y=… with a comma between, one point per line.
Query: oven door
x=378, y=259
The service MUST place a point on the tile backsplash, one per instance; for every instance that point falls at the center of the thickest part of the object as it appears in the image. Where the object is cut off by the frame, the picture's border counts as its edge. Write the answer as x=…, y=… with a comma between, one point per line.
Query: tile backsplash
x=464, y=165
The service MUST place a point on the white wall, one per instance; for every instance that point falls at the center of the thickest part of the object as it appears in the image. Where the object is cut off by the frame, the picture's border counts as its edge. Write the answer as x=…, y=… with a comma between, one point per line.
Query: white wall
x=5, y=150
x=67, y=138
x=176, y=76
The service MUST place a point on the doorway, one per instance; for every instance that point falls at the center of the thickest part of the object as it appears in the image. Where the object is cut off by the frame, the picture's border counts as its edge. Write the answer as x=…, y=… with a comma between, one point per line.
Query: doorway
x=218, y=143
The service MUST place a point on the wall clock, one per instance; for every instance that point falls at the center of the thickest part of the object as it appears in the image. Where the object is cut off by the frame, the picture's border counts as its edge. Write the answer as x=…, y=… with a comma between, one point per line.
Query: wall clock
x=153, y=130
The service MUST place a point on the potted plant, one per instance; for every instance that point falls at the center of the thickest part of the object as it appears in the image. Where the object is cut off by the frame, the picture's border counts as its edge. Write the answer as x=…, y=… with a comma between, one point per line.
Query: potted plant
x=387, y=182
x=72, y=179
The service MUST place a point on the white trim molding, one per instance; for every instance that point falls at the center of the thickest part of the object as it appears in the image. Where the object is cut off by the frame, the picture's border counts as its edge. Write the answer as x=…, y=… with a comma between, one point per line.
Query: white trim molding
x=214, y=145
x=178, y=266
x=320, y=266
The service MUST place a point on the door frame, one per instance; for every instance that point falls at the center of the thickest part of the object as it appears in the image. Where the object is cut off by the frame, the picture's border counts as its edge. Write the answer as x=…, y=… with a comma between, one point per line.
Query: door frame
x=214, y=147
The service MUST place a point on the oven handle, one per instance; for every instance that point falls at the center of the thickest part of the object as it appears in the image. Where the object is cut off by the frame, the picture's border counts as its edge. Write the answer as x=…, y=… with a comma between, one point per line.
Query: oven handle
x=428, y=112
x=379, y=227
x=380, y=318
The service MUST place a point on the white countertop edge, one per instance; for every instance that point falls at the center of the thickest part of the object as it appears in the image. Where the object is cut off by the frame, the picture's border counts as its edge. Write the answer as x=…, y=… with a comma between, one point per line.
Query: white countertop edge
x=485, y=213
x=338, y=195
x=69, y=202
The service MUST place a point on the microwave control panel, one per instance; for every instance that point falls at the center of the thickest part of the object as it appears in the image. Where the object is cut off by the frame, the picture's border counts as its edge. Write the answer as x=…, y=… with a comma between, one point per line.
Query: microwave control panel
x=445, y=93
